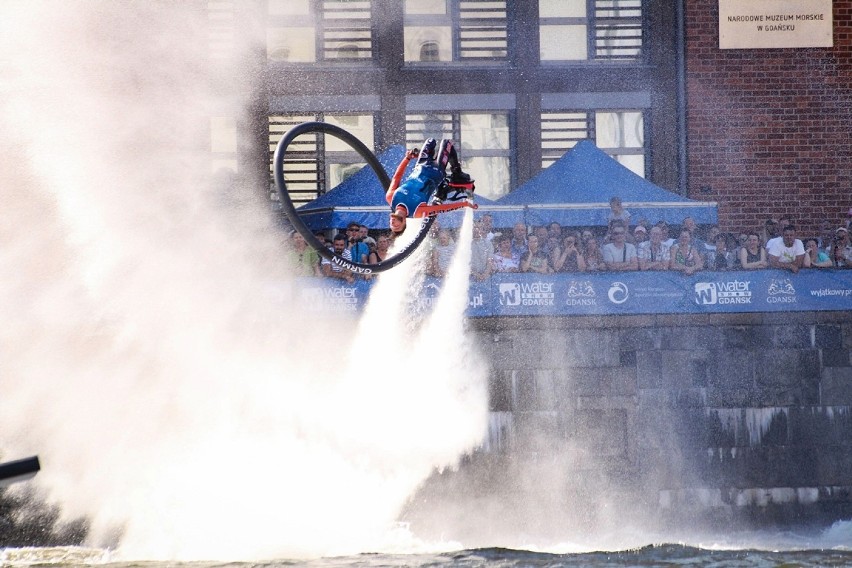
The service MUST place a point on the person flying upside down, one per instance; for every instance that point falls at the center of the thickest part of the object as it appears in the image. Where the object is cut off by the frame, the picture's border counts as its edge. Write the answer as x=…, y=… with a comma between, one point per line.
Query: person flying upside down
x=424, y=191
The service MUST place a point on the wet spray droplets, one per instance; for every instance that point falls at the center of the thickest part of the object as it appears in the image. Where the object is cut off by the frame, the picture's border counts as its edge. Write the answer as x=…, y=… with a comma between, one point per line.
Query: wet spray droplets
x=171, y=401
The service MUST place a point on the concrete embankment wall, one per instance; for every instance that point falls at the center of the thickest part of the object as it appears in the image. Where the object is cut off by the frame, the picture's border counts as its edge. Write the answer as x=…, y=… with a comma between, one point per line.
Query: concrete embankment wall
x=735, y=420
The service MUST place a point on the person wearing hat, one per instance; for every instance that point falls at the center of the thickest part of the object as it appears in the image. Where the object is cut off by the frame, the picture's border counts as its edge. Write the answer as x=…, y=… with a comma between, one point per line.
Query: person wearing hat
x=841, y=241
x=640, y=234
x=357, y=248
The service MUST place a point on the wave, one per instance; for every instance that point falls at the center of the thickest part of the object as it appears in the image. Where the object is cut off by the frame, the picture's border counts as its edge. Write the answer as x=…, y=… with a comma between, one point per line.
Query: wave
x=494, y=557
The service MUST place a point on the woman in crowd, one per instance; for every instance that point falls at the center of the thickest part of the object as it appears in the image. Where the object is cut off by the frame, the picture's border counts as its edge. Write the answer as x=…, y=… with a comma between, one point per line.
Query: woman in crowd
x=304, y=260
x=721, y=257
x=815, y=258
x=752, y=254
x=593, y=255
x=534, y=259
x=568, y=258
x=442, y=254
x=504, y=260
x=381, y=252
x=684, y=256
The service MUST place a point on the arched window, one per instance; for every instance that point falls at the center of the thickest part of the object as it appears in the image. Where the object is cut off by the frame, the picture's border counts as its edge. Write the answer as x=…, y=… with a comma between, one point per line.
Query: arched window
x=429, y=51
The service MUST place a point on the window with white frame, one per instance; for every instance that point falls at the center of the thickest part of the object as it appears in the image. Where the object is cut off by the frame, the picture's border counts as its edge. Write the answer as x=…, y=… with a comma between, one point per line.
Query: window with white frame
x=619, y=133
x=482, y=139
x=590, y=30
x=304, y=31
x=455, y=30
x=315, y=163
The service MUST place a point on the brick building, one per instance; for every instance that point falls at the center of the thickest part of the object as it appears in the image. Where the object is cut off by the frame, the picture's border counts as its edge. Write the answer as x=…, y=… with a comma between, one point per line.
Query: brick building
x=768, y=129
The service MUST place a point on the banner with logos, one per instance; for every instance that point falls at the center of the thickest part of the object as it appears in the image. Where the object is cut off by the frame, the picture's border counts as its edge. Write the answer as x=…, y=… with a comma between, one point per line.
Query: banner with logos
x=611, y=293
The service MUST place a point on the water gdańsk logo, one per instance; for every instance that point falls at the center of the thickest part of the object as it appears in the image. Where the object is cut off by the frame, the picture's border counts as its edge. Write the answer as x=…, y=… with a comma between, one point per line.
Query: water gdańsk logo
x=581, y=293
x=532, y=294
x=340, y=298
x=781, y=291
x=723, y=293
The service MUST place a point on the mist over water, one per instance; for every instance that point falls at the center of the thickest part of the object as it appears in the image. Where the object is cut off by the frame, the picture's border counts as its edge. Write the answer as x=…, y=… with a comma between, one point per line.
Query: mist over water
x=171, y=400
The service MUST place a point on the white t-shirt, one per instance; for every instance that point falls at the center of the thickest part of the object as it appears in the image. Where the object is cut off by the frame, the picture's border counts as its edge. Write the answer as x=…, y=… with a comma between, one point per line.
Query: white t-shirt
x=611, y=253
x=777, y=248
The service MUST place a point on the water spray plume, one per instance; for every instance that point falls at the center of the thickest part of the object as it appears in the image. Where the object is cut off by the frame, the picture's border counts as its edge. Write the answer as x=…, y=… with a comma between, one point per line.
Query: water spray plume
x=171, y=401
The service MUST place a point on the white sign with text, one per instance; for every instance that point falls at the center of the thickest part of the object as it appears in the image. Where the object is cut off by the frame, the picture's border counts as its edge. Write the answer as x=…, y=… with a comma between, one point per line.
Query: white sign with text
x=766, y=24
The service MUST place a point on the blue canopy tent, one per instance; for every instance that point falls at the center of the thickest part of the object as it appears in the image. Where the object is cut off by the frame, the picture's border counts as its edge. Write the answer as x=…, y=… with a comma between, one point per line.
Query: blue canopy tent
x=504, y=216
x=576, y=189
x=360, y=198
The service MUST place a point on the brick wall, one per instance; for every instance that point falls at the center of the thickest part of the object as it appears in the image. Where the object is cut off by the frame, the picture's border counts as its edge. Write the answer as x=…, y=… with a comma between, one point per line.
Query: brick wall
x=769, y=129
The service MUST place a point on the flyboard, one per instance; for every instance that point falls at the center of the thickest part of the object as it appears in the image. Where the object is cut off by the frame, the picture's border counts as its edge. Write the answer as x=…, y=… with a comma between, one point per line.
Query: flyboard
x=18, y=470
x=373, y=161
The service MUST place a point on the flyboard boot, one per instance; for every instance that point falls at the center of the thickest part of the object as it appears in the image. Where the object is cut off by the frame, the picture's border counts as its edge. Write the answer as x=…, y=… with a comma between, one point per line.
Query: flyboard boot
x=458, y=185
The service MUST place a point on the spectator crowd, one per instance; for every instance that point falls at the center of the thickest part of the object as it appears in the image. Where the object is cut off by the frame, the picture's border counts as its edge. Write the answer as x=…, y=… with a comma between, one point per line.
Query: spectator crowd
x=622, y=245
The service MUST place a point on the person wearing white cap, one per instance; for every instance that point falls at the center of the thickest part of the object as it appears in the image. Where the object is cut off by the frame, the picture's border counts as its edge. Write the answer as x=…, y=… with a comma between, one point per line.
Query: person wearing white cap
x=841, y=240
x=640, y=234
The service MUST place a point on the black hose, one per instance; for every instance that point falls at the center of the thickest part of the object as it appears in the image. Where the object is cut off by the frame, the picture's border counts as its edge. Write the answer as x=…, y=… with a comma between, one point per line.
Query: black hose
x=299, y=225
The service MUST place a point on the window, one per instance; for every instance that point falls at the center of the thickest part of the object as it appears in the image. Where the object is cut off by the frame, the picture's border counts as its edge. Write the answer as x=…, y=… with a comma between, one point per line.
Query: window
x=430, y=51
x=223, y=143
x=619, y=133
x=221, y=33
x=316, y=163
x=301, y=31
x=455, y=30
x=482, y=140
x=590, y=30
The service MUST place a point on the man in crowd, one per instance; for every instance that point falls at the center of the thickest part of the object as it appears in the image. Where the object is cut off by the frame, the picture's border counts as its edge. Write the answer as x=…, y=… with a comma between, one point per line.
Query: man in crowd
x=787, y=252
x=358, y=249
x=619, y=254
x=331, y=270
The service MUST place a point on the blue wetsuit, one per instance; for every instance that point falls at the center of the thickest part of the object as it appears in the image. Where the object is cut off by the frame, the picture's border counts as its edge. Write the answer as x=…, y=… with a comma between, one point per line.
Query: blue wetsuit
x=418, y=188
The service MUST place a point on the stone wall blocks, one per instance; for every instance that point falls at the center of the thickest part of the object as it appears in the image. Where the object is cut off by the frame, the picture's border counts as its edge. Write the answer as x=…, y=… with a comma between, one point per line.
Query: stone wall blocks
x=684, y=368
x=610, y=402
x=846, y=331
x=649, y=369
x=640, y=338
x=691, y=337
x=744, y=337
x=730, y=369
x=835, y=463
x=828, y=336
x=791, y=336
x=731, y=397
x=786, y=367
x=500, y=398
x=836, y=358
x=564, y=348
x=536, y=431
x=603, y=381
x=835, y=387
x=603, y=431
x=821, y=425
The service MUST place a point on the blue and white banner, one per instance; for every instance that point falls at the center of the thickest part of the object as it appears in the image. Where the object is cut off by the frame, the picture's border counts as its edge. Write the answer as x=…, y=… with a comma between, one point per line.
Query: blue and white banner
x=611, y=293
